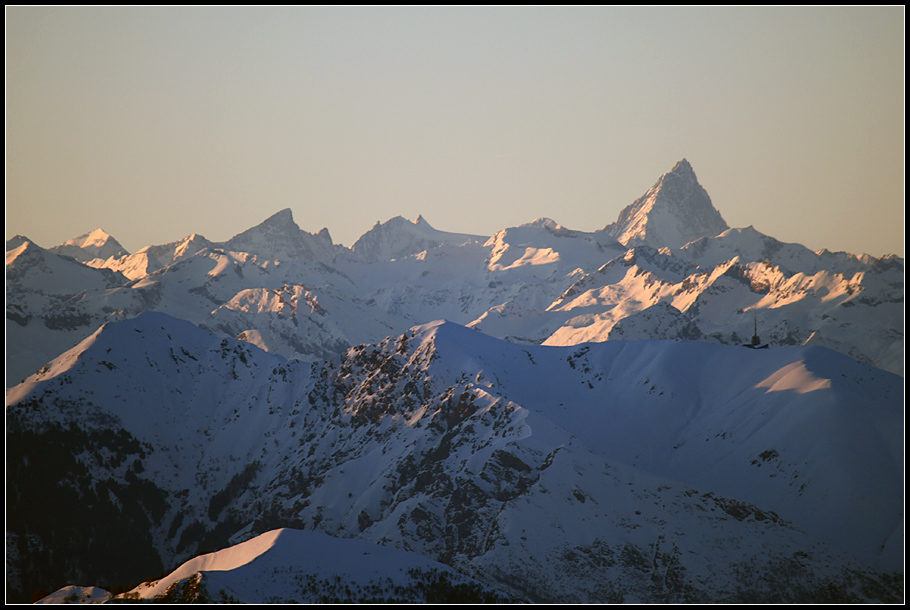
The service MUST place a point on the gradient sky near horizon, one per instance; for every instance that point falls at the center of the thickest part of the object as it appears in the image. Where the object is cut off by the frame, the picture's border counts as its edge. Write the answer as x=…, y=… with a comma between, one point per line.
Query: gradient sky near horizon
x=154, y=123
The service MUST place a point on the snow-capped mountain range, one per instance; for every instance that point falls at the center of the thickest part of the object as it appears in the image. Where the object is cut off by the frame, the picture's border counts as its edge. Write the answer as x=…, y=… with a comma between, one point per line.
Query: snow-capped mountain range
x=299, y=295
x=586, y=426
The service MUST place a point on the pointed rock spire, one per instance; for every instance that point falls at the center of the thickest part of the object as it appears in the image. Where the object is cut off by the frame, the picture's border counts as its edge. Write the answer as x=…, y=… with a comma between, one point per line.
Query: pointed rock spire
x=675, y=211
x=283, y=218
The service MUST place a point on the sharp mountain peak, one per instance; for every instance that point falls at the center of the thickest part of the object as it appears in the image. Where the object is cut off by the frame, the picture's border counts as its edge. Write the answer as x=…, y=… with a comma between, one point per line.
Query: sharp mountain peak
x=673, y=212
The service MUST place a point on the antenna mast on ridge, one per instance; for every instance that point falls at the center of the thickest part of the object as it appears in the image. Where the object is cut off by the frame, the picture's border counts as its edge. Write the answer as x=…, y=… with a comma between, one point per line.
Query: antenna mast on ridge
x=756, y=341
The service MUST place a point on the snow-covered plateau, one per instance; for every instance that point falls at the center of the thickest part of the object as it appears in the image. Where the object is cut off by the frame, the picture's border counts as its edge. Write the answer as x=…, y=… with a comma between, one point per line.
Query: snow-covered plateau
x=543, y=415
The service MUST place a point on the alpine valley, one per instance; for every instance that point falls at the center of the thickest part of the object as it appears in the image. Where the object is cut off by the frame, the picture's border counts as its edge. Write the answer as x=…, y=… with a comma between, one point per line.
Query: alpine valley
x=543, y=415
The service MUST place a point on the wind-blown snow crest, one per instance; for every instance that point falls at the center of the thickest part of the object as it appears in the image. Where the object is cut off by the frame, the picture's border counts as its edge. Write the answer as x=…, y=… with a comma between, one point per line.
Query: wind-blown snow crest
x=275, y=567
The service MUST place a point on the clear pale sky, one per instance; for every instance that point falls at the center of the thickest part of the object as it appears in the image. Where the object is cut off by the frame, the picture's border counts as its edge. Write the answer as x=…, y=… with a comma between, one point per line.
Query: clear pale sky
x=154, y=123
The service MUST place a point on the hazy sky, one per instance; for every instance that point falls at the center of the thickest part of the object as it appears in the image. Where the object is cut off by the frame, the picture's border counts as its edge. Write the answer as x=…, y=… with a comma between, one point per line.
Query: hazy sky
x=153, y=123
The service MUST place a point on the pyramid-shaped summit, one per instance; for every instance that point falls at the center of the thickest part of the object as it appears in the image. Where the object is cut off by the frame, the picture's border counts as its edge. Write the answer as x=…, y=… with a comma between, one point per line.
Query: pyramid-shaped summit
x=278, y=237
x=675, y=211
x=91, y=245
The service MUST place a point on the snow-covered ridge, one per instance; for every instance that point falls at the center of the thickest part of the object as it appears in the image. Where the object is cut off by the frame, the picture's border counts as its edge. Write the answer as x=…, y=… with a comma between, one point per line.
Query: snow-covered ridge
x=511, y=463
x=270, y=567
x=399, y=238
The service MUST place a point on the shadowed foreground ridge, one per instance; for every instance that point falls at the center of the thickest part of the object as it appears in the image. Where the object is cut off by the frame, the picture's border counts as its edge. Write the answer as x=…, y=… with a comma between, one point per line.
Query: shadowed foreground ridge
x=633, y=471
